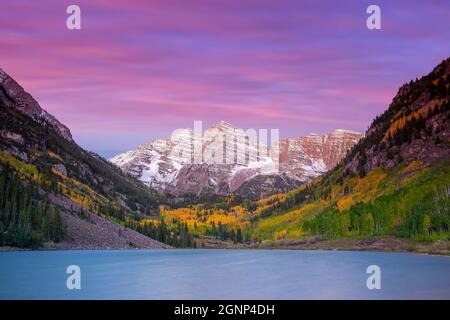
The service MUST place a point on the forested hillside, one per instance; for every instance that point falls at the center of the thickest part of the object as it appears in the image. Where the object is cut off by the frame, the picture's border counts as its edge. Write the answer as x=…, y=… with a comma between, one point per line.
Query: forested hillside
x=26, y=221
x=49, y=185
x=395, y=181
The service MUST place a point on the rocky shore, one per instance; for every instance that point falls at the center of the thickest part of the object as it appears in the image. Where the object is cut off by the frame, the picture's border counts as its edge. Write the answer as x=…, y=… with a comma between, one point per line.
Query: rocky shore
x=96, y=232
x=382, y=243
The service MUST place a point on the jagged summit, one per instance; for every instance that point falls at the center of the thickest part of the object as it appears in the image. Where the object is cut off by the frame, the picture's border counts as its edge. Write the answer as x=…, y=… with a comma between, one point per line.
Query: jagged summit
x=343, y=131
x=15, y=96
x=223, y=124
x=166, y=164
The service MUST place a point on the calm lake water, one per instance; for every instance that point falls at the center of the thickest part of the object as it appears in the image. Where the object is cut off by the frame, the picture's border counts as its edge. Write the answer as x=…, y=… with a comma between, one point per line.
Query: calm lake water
x=222, y=274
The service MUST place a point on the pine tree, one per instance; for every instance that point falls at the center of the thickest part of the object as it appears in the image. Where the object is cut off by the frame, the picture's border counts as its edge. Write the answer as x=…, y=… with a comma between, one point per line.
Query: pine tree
x=426, y=224
x=214, y=230
x=221, y=231
x=58, y=227
x=2, y=188
x=239, y=235
x=1, y=234
x=233, y=236
x=441, y=88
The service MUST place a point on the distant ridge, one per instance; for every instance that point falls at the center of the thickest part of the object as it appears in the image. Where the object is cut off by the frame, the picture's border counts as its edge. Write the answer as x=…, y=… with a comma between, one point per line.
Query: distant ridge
x=300, y=160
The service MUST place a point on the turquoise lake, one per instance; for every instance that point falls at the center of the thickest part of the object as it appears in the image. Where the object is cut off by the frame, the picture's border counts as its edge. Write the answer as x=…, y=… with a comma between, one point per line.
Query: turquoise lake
x=222, y=274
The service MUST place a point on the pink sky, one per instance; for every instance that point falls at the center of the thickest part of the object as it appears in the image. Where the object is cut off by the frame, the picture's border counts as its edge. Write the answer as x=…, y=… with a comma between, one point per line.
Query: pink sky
x=139, y=69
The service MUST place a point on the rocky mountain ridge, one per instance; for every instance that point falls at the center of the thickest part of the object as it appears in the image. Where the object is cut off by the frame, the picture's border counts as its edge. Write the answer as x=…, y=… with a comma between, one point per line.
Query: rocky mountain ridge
x=231, y=159
x=414, y=127
x=54, y=182
x=25, y=103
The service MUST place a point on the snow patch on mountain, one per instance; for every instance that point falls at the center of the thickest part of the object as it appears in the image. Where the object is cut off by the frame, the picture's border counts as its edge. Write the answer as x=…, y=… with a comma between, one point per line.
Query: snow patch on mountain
x=167, y=165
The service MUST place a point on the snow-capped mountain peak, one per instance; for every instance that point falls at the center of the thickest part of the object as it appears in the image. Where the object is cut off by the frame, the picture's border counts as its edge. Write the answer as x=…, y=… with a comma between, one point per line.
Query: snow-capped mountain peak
x=229, y=158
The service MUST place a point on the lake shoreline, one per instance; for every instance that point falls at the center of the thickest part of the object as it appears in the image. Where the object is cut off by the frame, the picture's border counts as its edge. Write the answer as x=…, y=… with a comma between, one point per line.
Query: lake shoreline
x=372, y=244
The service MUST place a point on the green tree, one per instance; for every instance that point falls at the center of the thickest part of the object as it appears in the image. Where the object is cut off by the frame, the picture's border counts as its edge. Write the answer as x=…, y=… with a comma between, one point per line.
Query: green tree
x=239, y=235
x=426, y=224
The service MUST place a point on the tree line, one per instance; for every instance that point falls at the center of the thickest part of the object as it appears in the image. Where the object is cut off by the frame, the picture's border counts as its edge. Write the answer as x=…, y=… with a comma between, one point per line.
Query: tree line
x=175, y=234
x=385, y=215
x=223, y=233
x=26, y=218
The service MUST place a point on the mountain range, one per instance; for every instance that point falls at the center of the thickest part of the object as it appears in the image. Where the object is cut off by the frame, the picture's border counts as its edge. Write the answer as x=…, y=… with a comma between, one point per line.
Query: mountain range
x=166, y=164
x=391, y=181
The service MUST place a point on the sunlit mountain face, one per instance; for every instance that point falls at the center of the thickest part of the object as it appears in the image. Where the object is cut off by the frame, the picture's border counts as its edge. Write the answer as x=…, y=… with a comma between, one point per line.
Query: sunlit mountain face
x=169, y=166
